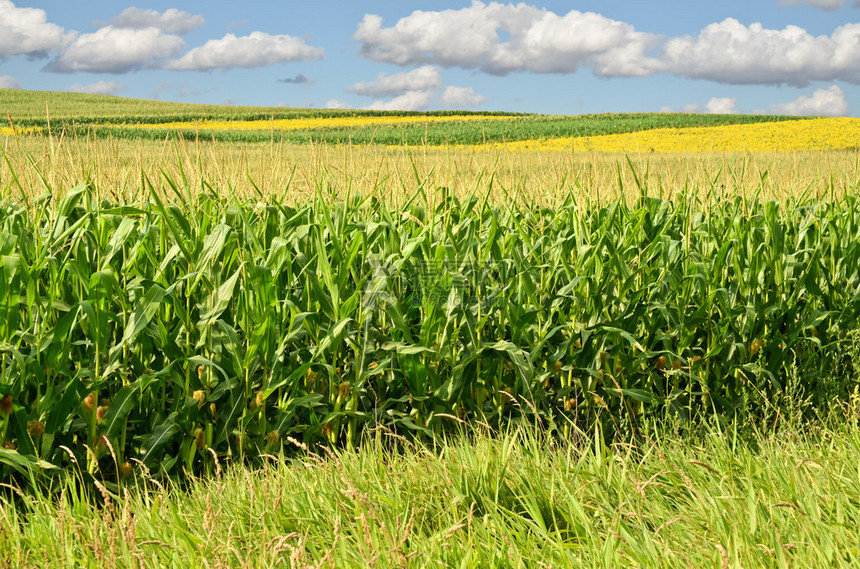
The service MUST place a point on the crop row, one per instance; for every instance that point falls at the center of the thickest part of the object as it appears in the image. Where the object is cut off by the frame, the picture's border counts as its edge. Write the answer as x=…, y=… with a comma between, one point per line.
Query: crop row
x=364, y=127
x=164, y=335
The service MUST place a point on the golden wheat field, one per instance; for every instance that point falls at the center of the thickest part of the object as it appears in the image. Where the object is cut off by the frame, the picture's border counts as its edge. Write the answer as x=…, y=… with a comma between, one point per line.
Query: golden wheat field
x=536, y=172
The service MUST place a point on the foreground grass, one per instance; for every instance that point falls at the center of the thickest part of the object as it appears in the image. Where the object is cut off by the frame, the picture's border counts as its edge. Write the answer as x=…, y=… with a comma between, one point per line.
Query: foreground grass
x=517, y=500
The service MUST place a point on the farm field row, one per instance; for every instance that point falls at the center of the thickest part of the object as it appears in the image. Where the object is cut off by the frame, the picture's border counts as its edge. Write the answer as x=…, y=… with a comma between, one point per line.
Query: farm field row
x=393, y=130
x=630, y=134
x=117, y=118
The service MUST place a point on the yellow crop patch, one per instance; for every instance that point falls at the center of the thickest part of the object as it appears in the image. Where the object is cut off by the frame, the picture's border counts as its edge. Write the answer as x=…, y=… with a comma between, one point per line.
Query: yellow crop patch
x=9, y=131
x=808, y=134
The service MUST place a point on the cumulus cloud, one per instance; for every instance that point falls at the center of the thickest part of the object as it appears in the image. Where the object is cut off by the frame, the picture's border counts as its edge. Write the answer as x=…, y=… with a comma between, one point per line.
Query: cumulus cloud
x=420, y=79
x=716, y=106
x=116, y=50
x=172, y=21
x=827, y=5
x=9, y=82
x=255, y=50
x=823, y=102
x=180, y=90
x=336, y=104
x=409, y=101
x=415, y=90
x=501, y=38
x=299, y=79
x=98, y=88
x=461, y=97
x=730, y=52
x=722, y=106
x=422, y=100
x=26, y=31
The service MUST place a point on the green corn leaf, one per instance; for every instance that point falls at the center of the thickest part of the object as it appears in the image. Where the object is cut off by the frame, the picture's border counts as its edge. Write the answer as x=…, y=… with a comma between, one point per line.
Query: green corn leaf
x=219, y=299
x=25, y=465
x=143, y=313
x=163, y=434
x=120, y=406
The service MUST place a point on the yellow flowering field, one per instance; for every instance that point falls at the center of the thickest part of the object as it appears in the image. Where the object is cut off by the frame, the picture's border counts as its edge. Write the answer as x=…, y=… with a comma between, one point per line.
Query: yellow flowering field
x=807, y=134
x=9, y=131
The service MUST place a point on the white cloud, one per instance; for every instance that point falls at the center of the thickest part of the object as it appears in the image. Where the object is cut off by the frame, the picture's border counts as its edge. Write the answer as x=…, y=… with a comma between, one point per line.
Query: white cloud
x=336, y=104
x=461, y=97
x=730, y=52
x=9, y=82
x=300, y=79
x=420, y=79
x=415, y=90
x=827, y=5
x=98, y=88
x=499, y=39
x=180, y=91
x=409, y=101
x=823, y=102
x=255, y=50
x=116, y=50
x=722, y=106
x=503, y=38
x=171, y=21
x=26, y=31
x=717, y=105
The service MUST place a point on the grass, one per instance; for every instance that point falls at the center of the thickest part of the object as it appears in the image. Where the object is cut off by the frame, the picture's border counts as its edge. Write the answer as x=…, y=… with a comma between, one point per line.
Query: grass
x=519, y=499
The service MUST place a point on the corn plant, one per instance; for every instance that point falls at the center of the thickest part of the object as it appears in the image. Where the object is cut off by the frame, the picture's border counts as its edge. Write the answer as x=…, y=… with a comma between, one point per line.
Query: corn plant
x=165, y=335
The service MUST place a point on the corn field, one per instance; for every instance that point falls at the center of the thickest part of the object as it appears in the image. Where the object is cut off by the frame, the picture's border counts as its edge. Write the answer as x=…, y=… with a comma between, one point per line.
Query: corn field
x=167, y=336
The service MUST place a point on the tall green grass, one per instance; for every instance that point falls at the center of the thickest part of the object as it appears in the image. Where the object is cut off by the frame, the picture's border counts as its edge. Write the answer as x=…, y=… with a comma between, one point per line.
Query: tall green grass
x=166, y=336
x=519, y=499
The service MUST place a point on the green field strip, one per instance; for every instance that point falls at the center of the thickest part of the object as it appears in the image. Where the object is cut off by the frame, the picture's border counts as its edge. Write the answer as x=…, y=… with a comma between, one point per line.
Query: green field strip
x=85, y=115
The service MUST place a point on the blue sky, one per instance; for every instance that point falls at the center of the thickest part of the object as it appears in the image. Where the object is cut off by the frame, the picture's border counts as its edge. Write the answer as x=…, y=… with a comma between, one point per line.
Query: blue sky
x=777, y=56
